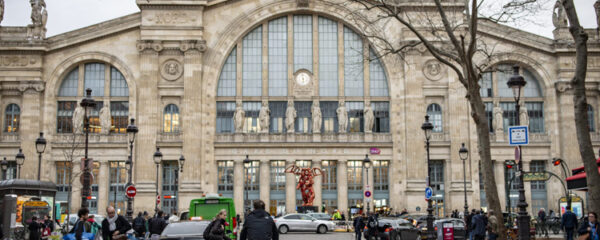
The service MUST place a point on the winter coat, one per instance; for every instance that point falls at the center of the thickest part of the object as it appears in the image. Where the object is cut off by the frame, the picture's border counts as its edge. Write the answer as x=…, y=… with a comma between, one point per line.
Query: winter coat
x=584, y=229
x=259, y=225
x=569, y=220
x=359, y=224
x=34, y=230
x=478, y=224
x=217, y=231
x=157, y=225
x=122, y=225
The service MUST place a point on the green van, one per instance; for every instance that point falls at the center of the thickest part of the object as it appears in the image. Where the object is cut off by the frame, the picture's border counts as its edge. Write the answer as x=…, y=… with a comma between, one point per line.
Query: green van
x=207, y=207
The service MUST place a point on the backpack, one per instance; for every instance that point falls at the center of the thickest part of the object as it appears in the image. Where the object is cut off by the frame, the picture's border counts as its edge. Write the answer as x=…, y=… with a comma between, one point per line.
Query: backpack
x=139, y=225
x=206, y=232
x=373, y=223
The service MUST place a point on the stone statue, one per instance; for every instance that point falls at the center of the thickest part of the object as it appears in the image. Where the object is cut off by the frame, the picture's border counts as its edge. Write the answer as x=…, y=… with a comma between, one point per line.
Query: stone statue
x=559, y=17
x=1, y=10
x=523, y=116
x=39, y=17
x=263, y=117
x=239, y=117
x=105, y=122
x=498, y=119
x=78, y=116
x=342, y=117
x=290, y=116
x=316, y=117
x=369, y=117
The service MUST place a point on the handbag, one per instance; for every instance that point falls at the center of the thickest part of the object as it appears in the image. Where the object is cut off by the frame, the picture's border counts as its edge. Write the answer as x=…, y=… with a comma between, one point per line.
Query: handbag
x=84, y=236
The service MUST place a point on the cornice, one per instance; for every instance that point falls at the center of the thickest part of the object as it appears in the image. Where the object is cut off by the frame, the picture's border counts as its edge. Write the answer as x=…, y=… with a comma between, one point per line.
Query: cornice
x=515, y=36
x=23, y=86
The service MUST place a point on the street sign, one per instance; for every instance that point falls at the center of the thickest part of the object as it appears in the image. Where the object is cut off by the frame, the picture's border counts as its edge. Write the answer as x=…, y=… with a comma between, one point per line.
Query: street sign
x=536, y=176
x=158, y=199
x=428, y=193
x=375, y=151
x=517, y=154
x=131, y=191
x=87, y=175
x=368, y=193
x=518, y=135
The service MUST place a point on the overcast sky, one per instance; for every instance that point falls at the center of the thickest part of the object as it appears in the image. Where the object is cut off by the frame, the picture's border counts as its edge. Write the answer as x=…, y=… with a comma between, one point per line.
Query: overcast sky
x=68, y=15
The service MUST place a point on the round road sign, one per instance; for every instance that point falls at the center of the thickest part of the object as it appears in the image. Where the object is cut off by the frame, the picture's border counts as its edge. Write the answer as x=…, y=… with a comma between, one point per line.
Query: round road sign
x=158, y=199
x=130, y=191
x=367, y=193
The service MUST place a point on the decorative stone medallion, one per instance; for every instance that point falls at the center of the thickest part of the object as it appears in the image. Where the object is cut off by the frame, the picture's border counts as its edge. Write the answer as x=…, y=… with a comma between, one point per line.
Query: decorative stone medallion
x=303, y=83
x=171, y=70
x=432, y=69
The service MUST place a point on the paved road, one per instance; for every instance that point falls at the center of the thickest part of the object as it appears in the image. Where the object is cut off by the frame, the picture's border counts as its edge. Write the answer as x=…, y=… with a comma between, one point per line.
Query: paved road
x=315, y=236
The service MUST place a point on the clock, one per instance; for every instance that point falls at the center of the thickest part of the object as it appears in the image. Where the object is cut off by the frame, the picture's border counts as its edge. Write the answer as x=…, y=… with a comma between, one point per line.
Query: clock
x=302, y=78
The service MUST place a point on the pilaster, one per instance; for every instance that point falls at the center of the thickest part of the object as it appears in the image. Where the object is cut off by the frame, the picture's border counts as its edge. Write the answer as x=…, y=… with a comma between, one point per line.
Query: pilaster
x=290, y=189
x=76, y=186
x=318, y=185
x=238, y=186
x=30, y=129
x=103, y=180
x=342, y=179
x=265, y=183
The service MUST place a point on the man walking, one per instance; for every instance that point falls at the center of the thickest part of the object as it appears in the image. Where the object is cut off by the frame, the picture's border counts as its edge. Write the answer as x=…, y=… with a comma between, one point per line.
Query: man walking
x=259, y=225
x=569, y=223
x=542, y=222
x=359, y=225
x=478, y=225
x=157, y=225
x=114, y=226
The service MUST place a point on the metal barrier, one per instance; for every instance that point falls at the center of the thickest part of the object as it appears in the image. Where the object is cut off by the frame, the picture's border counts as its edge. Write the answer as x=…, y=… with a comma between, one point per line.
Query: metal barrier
x=343, y=226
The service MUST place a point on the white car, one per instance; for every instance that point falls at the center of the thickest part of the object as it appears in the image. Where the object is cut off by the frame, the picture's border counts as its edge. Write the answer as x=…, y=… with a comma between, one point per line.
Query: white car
x=302, y=223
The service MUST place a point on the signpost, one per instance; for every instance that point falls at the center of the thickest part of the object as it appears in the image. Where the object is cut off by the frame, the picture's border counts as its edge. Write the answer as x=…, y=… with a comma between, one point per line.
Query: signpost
x=368, y=194
x=428, y=193
x=536, y=176
x=518, y=135
x=158, y=200
x=130, y=191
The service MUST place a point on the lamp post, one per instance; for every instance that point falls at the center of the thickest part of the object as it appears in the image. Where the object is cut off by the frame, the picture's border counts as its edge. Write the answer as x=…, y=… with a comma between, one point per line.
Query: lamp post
x=4, y=165
x=20, y=161
x=427, y=127
x=246, y=205
x=463, y=153
x=40, y=147
x=367, y=165
x=88, y=104
x=517, y=82
x=181, y=164
x=157, y=160
x=131, y=132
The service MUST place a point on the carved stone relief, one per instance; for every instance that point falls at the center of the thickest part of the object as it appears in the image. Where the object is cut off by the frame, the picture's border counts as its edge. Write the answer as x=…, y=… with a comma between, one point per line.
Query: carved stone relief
x=171, y=18
x=17, y=61
x=171, y=70
x=432, y=69
x=303, y=84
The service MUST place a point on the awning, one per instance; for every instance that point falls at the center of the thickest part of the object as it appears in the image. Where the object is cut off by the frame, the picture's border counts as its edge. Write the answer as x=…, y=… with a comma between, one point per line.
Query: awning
x=578, y=180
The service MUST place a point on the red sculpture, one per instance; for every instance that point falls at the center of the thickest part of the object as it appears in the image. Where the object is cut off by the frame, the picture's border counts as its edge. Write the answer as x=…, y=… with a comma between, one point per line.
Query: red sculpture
x=305, y=182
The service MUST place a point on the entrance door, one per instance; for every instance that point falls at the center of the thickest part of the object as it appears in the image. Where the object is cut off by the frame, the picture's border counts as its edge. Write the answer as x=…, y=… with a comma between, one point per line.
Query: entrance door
x=170, y=186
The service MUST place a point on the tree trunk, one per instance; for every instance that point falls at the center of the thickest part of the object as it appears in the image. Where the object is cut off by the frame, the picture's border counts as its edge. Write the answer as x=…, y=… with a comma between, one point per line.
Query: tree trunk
x=580, y=103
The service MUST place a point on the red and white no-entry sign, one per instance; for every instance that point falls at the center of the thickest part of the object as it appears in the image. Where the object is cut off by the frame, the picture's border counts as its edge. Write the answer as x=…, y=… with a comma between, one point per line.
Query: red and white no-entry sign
x=130, y=191
x=158, y=199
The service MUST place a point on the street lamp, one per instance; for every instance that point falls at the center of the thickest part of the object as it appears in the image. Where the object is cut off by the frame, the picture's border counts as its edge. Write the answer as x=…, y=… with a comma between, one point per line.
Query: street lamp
x=20, y=158
x=181, y=163
x=40, y=147
x=566, y=171
x=427, y=127
x=88, y=105
x=246, y=205
x=463, y=153
x=4, y=165
x=131, y=132
x=367, y=165
x=157, y=160
x=517, y=82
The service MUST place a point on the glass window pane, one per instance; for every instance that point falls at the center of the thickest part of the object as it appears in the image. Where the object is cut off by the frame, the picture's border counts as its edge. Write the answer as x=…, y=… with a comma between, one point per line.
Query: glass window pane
x=328, y=57
x=509, y=114
x=94, y=78
x=378, y=81
x=278, y=69
x=355, y=175
x=118, y=85
x=278, y=175
x=252, y=110
x=277, y=117
x=119, y=112
x=227, y=80
x=12, y=118
x=303, y=43
x=485, y=84
x=535, y=110
x=171, y=119
x=353, y=64
x=252, y=63
x=355, y=116
x=329, y=175
x=381, y=175
x=503, y=73
x=64, y=116
x=304, y=117
x=532, y=88
x=68, y=88
x=381, y=111
x=330, y=120
x=225, y=177
x=435, y=116
x=225, y=111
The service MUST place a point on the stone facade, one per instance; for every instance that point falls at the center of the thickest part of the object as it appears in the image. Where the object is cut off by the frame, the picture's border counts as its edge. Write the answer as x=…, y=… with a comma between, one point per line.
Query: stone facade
x=173, y=52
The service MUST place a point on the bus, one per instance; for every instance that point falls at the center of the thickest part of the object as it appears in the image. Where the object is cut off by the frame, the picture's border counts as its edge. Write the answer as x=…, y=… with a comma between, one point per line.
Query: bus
x=207, y=207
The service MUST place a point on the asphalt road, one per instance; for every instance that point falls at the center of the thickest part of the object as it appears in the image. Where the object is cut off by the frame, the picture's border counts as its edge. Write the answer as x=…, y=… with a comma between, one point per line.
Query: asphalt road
x=315, y=236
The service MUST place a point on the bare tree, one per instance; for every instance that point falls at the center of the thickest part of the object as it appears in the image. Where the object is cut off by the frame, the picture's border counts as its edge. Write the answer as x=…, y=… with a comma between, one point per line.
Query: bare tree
x=449, y=32
x=72, y=150
x=579, y=100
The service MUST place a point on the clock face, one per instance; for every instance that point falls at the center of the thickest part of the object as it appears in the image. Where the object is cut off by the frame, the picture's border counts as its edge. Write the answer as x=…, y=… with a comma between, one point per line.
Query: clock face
x=302, y=78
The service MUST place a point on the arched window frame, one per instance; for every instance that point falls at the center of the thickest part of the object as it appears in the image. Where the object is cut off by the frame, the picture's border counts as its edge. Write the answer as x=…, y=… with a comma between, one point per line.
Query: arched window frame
x=435, y=113
x=109, y=87
x=171, y=119
x=12, y=118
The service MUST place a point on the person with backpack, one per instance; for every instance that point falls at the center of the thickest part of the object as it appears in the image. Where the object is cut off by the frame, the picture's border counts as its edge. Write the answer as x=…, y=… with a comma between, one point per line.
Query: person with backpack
x=139, y=225
x=79, y=227
x=216, y=229
x=359, y=225
x=157, y=225
x=372, y=230
x=259, y=225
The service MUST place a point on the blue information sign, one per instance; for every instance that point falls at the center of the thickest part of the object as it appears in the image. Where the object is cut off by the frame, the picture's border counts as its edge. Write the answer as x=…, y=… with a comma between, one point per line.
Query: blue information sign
x=428, y=193
x=518, y=135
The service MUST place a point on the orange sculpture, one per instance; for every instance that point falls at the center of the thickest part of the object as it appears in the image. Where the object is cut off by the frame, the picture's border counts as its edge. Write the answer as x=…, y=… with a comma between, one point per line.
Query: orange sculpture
x=305, y=182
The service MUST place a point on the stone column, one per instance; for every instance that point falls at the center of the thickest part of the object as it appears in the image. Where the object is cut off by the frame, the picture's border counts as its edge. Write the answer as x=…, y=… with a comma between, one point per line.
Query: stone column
x=527, y=168
x=342, y=180
x=29, y=131
x=499, y=169
x=75, y=186
x=238, y=186
x=290, y=189
x=318, y=185
x=103, y=181
x=265, y=183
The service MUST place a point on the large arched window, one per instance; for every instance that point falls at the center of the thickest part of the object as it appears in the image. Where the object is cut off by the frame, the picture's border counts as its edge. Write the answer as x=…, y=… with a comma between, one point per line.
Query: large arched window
x=171, y=122
x=12, y=118
x=590, y=112
x=109, y=88
x=308, y=55
x=494, y=90
x=435, y=116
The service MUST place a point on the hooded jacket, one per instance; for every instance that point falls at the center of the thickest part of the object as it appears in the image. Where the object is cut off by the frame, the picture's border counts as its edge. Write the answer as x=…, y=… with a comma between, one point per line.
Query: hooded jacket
x=259, y=225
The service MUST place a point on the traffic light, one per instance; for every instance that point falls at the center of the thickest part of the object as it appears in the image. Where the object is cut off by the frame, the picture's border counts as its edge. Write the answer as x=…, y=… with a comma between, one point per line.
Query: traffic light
x=509, y=164
x=556, y=161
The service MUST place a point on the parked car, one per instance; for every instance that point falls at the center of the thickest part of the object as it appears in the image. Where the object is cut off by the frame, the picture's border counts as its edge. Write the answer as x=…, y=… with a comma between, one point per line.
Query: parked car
x=458, y=226
x=184, y=230
x=395, y=229
x=302, y=223
x=320, y=216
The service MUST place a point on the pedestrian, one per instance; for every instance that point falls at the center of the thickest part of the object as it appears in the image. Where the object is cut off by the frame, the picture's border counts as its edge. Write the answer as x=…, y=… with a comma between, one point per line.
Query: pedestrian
x=147, y=225
x=35, y=229
x=139, y=225
x=216, y=229
x=174, y=217
x=542, y=222
x=468, y=221
x=569, y=223
x=591, y=227
x=358, y=224
x=337, y=215
x=493, y=228
x=93, y=225
x=372, y=230
x=258, y=225
x=79, y=227
x=115, y=226
x=478, y=225
x=157, y=225
x=48, y=227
